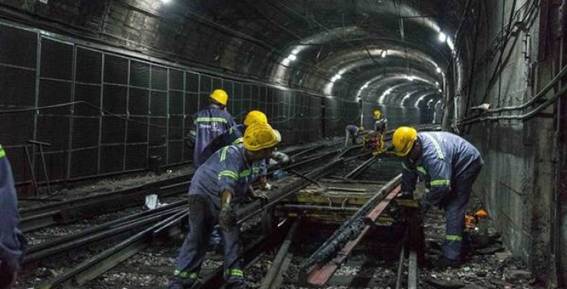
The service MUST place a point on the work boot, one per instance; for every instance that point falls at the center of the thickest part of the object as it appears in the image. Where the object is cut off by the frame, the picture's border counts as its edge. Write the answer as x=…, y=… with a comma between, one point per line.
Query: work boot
x=180, y=283
x=444, y=263
x=241, y=284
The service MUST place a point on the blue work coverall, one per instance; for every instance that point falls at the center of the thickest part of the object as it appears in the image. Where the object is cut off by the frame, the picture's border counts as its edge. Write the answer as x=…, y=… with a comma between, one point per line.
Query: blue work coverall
x=226, y=170
x=448, y=165
x=11, y=239
x=351, y=133
x=232, y=136
x=209, y=123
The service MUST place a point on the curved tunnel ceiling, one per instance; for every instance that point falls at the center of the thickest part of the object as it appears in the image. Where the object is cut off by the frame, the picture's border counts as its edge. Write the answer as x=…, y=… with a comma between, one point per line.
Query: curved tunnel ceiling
x=334, y=47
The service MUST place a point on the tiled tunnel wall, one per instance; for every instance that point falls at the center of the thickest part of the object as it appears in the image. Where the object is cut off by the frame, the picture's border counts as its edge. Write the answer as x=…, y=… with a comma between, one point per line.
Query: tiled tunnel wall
x=112, y=111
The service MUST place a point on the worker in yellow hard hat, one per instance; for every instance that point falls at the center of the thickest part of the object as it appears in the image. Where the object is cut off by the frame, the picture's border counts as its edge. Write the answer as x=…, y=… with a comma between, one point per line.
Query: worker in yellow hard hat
x=380, y=123
x=448, y=165
x=211, y=122
x=217, y=188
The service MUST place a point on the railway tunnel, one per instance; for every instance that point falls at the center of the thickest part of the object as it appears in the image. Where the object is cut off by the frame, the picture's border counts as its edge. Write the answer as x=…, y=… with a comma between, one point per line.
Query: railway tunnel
x=97, y=100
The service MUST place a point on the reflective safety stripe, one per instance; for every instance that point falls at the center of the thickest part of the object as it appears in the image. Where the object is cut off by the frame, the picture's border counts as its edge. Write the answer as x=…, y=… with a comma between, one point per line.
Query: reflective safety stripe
x=440, y=154
x=440, y=183
x=223, y=154
x=453, y=238
x=235, y=272
x=238, y=141
x=244, y=173
x=211, y=119
x=229, y=174
x=185, y=275
x=422, y=170
x=2, y=152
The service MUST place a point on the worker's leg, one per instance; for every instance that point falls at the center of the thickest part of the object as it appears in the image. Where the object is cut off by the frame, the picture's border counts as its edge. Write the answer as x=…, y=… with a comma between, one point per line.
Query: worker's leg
x=7, y=275
x=347, y=137
x=232, y=263
x=192, y=253
x=455, y=213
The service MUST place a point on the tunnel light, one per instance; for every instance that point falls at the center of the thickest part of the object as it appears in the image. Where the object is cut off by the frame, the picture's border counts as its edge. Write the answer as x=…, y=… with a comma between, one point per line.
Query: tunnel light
x=419, y=101
x=438, y=70
x=286, y=61
x=292, y=57
x=384, y=53
x=442, y=37
x=405, y=99
x=165, y=1
x=437, y=83
x=430, y=102
x=295, y=51
x=440, y=91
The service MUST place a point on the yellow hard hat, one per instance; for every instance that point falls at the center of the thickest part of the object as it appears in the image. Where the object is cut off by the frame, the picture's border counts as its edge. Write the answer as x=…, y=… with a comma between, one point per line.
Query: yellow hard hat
x=403, y=139
x=254, y=117
x=220, y=96
x=260, y=136
x=377, y=114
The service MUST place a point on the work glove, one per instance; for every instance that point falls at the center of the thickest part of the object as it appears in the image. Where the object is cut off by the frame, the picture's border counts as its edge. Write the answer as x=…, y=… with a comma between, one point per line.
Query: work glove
x=259, y=194
x=266, y=186
x=227, y=217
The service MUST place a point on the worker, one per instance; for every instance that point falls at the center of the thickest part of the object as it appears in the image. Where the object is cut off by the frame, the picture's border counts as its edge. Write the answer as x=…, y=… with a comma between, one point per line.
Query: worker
x=210, y=123
x=11, y=239
x=351, y=134
x=448, y=165
x=380, y=123
x=217, y=187
x=234, y=136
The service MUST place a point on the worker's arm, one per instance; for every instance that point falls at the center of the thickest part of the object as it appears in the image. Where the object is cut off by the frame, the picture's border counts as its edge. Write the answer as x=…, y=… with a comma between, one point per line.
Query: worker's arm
x=440, y=172
x=227, y=179
x=409, y=178
x=227, y=215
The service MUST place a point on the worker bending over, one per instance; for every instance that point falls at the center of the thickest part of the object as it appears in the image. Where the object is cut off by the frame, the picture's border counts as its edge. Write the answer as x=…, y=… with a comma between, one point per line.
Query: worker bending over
x=211, y=122
x=234, y=136
x=352, y=133
x=217, y=188
x=449, y=165
x=11, y=239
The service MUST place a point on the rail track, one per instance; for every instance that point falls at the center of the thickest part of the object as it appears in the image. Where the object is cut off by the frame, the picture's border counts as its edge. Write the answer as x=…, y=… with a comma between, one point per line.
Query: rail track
x=127, y=236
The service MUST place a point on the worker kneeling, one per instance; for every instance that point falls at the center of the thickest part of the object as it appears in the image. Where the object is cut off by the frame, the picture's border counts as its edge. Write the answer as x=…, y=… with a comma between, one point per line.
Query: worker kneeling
x=449, y=165
x=217, y=188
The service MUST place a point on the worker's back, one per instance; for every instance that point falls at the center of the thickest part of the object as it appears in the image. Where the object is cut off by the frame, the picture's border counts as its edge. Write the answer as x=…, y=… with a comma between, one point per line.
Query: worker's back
x=209, y=123
x=451, y=148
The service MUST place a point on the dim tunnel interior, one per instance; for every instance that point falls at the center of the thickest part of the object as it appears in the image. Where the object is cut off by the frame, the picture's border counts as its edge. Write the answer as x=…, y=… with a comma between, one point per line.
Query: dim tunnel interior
x=110, y=84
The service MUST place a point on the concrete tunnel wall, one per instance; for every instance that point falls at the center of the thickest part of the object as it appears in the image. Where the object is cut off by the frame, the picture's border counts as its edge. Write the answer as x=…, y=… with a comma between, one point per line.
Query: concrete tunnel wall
x=517, y=183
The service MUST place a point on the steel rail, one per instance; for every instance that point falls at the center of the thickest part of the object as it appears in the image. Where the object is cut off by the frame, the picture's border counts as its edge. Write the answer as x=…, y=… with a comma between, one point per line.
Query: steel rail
x=250, y=254
x=71, y=210
x=100, y=232
x=100, y=263
x=361, y=168
x=322, y=264
x=278, y=266
x=278, y=195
